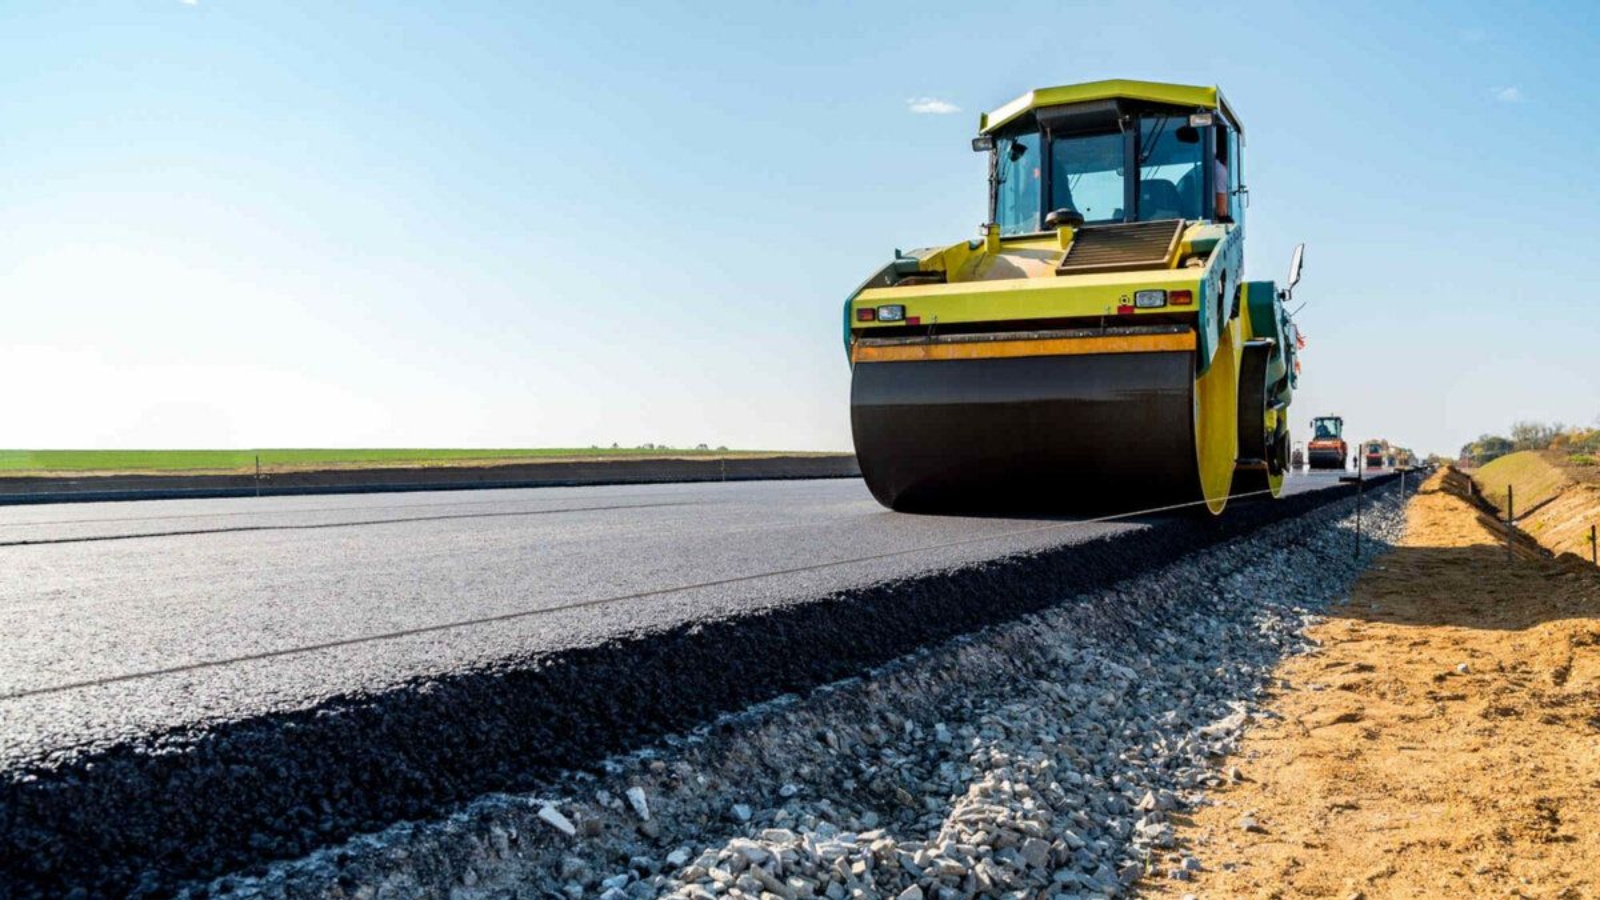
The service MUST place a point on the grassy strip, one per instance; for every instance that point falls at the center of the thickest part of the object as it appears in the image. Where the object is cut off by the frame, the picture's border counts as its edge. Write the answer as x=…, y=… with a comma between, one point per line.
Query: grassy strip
x=37, y=462
x=1557, y=502
x=1534, y=476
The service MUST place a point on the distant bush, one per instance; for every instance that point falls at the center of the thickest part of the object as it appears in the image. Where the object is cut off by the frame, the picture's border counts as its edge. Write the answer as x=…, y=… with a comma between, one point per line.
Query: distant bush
x=1486, y=449
x=1584, y=442
x=1583, y=459
x=1553, y=436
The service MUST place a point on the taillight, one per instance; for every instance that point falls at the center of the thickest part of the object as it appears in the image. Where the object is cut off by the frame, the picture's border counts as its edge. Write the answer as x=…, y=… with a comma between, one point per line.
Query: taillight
x=866, y=314
x=1180, y=298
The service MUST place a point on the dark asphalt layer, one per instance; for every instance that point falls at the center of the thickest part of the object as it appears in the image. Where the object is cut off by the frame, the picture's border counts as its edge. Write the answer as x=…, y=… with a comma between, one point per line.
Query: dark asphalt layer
x=128, y=618
x=191, y=688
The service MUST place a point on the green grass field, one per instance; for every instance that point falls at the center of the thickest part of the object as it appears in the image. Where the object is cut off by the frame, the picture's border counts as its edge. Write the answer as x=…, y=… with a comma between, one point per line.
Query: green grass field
x=33, y=462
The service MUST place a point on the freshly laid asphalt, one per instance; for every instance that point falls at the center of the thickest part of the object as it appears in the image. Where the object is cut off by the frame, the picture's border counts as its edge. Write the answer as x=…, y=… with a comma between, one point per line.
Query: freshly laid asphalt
x=134, y=627
x=127, y=618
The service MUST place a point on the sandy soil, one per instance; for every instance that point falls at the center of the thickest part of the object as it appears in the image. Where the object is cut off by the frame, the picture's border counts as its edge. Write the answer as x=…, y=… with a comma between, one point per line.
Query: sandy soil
x=1444, y=741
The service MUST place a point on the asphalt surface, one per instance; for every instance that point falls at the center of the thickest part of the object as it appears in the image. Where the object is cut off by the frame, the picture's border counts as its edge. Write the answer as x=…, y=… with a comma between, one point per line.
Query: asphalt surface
x=129, y=618
x=298, y=645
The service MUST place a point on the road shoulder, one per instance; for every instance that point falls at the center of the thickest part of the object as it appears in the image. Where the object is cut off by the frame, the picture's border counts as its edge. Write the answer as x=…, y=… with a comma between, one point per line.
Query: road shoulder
x=1440, y=741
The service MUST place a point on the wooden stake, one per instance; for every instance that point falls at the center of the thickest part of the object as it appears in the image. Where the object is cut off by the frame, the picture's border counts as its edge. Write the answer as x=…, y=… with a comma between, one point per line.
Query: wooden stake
x=1511, y=517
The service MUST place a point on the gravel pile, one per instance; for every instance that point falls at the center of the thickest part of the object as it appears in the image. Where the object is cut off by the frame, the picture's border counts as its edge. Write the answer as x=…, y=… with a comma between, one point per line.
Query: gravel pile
x=1042, y=758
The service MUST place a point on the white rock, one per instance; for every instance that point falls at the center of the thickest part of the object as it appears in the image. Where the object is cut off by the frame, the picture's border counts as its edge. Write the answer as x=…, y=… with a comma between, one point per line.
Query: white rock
x=555, y=819
x=641, y=806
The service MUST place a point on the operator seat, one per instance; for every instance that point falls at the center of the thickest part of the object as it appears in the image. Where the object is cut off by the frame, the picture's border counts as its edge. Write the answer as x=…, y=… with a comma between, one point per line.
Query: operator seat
x=1189, y=192
x=1158, y=199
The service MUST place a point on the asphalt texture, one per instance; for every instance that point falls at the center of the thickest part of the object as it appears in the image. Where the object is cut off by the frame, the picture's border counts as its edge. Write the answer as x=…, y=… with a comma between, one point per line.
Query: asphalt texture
x=194, y=687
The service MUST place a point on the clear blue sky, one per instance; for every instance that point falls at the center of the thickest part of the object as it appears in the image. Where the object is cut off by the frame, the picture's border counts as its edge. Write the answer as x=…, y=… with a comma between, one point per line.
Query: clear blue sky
x=377, y=224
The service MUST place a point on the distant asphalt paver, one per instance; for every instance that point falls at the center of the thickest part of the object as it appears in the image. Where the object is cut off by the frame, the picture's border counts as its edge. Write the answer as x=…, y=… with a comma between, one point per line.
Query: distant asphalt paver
x=185, y=624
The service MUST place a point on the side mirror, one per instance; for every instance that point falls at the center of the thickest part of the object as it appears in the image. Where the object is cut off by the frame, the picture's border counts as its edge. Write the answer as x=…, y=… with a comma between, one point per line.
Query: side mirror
x=983, y=143
x=1295, y=264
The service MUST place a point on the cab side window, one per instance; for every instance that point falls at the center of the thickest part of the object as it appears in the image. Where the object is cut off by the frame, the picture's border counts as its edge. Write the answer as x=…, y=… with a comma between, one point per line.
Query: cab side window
x=1235, y=176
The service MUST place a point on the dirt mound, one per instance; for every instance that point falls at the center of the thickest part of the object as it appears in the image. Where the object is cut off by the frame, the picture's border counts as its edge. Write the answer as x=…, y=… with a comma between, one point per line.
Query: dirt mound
x=1556, y=503
x=1441, y=743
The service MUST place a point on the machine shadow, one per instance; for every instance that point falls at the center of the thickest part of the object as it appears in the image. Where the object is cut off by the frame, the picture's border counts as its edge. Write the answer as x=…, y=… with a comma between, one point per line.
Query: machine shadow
x=1108, y=515
x=1053, y=510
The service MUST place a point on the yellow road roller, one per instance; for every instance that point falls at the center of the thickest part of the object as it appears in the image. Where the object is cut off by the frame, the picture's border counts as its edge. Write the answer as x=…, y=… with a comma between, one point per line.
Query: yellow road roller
x=1095, y=348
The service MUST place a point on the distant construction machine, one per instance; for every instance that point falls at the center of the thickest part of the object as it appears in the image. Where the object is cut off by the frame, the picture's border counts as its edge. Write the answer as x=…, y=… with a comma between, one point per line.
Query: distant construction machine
x=1376, y=455
x=1327, y=449
x=1097, y=346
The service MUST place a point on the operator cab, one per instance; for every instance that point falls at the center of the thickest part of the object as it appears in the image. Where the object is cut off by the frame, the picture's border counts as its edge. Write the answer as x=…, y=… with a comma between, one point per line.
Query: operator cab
x=1112, y=162
x=1327, y=428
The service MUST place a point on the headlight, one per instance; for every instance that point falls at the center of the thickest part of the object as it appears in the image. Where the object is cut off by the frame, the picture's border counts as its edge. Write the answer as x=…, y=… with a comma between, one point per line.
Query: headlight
x=891, y=313
x=1150, y=299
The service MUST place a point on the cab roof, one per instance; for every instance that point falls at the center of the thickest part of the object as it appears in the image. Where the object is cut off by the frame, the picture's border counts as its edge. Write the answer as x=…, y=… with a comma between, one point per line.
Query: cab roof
x=1114, y=89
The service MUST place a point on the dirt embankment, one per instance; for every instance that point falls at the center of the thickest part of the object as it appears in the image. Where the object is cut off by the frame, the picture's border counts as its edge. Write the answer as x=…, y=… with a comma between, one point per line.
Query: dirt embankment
x=1444, y=741
x=1556, y=503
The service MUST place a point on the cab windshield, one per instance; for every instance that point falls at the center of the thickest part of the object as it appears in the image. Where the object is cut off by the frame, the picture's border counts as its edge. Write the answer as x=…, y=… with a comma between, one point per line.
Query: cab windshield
x=1325, y=429
x=1088, y=174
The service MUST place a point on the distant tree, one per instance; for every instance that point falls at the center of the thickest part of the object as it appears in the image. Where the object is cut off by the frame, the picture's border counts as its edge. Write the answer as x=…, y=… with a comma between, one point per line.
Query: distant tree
x=1487, y=448
x=614, y=446
x=701, y=447
x=1528, y=435
x=1584, y=441
x=722, y=448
